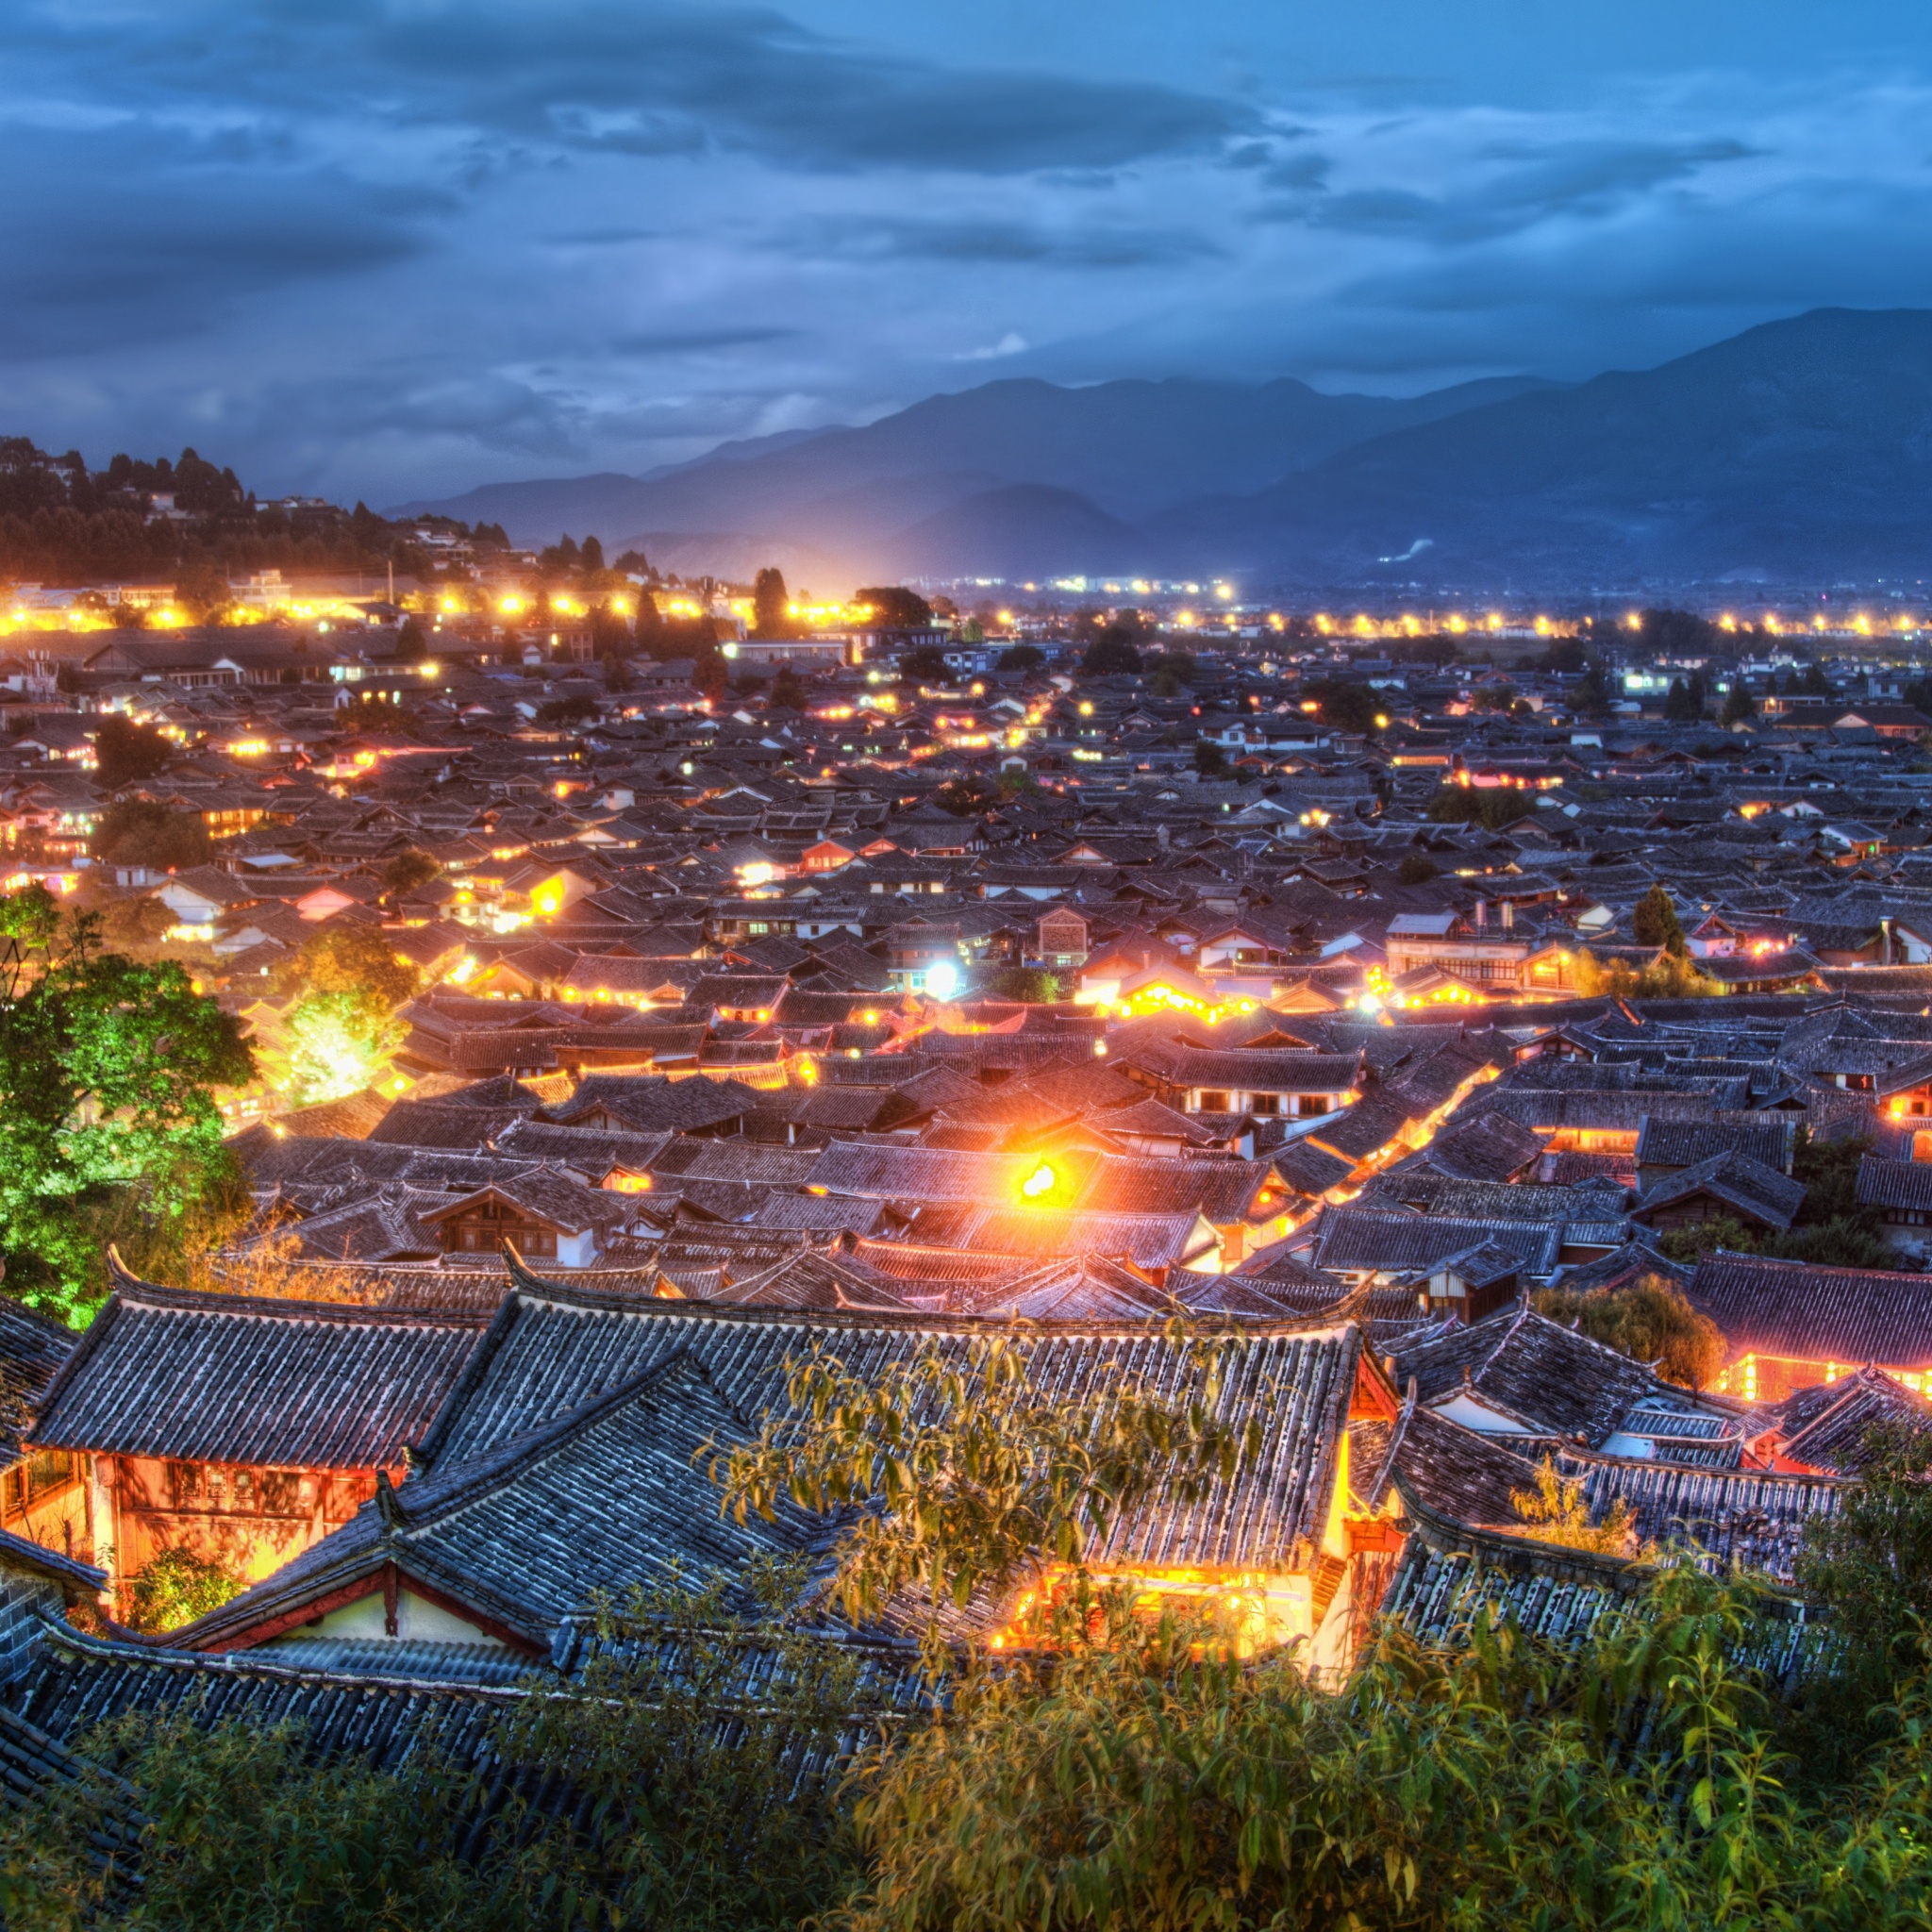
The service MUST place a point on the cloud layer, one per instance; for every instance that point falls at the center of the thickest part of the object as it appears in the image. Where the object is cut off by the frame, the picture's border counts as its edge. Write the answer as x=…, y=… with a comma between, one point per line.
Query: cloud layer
x=391, y=247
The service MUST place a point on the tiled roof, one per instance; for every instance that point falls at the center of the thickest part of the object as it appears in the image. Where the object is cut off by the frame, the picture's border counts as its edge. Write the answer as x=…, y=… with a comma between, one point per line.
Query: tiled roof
x=236, y=1379
x=1760, y=1194
x=1555, y=1378
x=551, y=1349
x=1809, y=1312
x=1830, y=1426
x=611, y=1493
x=1350, y=1239
x=1899, y=1184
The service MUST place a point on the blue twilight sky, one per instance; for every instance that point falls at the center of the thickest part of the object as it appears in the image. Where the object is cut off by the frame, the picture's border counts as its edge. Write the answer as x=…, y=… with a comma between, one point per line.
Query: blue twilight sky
x=389, y=247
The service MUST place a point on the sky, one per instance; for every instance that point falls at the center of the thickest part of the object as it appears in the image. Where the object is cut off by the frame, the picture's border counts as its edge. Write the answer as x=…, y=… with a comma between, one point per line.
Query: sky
x=390, y=248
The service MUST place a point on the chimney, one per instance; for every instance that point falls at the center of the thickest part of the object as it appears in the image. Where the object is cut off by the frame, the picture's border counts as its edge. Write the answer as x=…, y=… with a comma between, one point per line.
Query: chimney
x=1482, y=914
x=1508, y=915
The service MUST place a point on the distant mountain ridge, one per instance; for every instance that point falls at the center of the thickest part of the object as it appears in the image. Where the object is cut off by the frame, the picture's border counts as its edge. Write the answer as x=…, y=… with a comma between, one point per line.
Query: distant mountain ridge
x=1797, y=448
x=1110, y=456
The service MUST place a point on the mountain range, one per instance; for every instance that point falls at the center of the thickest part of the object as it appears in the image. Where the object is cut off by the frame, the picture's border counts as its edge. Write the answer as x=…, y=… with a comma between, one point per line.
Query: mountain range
x=1798, y=450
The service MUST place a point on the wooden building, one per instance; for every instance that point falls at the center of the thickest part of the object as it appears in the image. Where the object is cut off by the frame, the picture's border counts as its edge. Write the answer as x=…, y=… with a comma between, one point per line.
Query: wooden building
x=562, y=1461
x=1794, y=1324
x=244, y=1429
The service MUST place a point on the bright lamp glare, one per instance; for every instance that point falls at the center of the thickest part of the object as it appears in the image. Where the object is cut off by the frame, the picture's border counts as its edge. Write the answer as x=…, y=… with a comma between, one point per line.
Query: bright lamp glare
x=942, y=979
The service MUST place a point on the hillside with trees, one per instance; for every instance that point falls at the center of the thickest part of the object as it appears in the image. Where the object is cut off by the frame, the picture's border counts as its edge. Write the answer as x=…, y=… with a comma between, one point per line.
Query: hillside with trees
x=185, y=520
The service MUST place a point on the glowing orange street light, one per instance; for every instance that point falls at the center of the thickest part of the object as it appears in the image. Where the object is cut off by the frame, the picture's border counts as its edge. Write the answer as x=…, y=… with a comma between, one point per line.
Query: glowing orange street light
x=1039, y=1182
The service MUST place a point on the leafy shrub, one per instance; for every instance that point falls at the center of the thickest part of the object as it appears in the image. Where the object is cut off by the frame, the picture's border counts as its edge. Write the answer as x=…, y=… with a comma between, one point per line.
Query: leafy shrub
x=1650, y=1321
x=1554, y=1512
x=1148, y=1780
x=174, y=1586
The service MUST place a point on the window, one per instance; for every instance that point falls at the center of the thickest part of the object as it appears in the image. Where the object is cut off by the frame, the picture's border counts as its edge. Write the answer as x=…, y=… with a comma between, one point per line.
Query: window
x=279, y=1493
x=1310, y=1104
x=1264, y=1103
x=37, y=1476
x=1213, y=1102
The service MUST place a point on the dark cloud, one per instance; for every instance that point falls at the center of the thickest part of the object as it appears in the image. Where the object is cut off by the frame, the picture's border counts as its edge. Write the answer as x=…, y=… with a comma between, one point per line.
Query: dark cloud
x=390, y=246
x=1299, y=172
x=1577, y=179
x=1591, y=175
x=651, y=80
x=128, y=232
x=1016, y=242
x=683, y=341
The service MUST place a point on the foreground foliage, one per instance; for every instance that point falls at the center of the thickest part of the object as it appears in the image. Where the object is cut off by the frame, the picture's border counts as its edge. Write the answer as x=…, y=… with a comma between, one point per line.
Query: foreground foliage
x=1130, y=1777
x=1149, y=1782
x=108, y=1118
x=1126, y=1772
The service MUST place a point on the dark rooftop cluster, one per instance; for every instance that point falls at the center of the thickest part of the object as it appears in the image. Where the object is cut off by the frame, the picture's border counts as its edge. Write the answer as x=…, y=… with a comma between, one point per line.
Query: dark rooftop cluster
x=897, y=1014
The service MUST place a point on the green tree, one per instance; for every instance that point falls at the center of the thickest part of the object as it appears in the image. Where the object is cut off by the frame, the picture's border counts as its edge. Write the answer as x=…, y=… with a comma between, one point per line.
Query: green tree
x=133, y=926
x=242, y=1829
x=1670, y=977
x=174, y=1586
x=610, y=641
x=1490, y=806
x=1211, y=760
x=1649, y=1321
x=412, y=642
x=787, y=691
x=1147, y=1778
x=966, y=1476
x=137, y=832
x=410, y=870
x=1020, y=658
x=1026, y=984
x=1870, y=1563
x=127, y=753
x=337, y=1044
x=924, y=664
x=343, y=1024
x=1844, y=1242
x=1680, y=707
x=1417, y=868
x=968, y=797
x=710, y=673
x=1112, y=654
x=352, y=959
x=895, y=608
x=690, y=1824
x=1738, y=707
x=1554, y=1512
x=771, y=605
x=1593, y=694
x=1346, y=706
x=201, y=589
x=106, y=1071
x=1654, y=923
